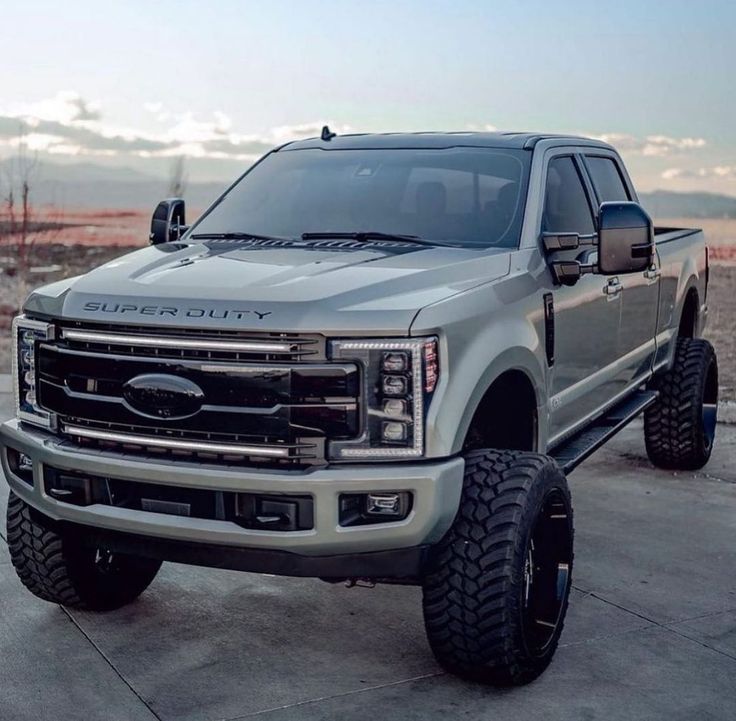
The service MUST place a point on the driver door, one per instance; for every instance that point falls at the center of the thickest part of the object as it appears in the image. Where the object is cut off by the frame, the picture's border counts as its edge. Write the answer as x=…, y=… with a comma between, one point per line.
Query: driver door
x=586, y=315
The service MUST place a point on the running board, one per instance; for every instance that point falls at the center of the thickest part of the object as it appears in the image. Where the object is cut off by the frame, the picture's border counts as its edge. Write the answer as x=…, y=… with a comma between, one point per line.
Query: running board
x=573, y=451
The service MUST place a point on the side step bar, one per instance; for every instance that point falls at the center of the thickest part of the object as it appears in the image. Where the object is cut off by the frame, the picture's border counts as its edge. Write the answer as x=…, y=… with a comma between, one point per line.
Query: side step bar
x=574, y=450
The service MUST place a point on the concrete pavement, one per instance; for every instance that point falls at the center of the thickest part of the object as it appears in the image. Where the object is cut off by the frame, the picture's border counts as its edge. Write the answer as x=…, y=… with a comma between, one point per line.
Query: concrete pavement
x=651, y=631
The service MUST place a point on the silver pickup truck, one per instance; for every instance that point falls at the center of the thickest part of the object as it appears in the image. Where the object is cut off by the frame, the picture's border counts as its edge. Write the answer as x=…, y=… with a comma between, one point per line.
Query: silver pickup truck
x=375, y=358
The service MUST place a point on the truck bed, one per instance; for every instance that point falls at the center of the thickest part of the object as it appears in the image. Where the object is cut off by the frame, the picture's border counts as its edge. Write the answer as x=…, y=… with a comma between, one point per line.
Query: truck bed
x=665, y=234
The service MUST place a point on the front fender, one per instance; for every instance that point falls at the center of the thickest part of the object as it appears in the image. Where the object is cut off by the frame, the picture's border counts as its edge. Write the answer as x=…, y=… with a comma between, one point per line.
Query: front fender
x=483, y=333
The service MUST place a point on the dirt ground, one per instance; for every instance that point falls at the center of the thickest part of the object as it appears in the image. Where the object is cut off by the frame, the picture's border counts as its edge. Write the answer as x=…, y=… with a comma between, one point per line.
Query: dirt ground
x=721, y=328
x=52, y=261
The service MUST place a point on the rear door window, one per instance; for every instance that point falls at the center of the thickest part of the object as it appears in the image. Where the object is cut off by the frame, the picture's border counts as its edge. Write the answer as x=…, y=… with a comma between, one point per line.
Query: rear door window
x=606, y=178
x=566, y=205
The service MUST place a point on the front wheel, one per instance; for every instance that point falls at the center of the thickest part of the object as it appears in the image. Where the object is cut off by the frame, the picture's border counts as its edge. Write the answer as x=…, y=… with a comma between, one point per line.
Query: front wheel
x=497, y=590
x=56, y=565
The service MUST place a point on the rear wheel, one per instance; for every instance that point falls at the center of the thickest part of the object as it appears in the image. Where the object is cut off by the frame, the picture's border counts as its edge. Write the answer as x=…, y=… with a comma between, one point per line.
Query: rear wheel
x=496, y=594
x=680, y=427
x=54, y=564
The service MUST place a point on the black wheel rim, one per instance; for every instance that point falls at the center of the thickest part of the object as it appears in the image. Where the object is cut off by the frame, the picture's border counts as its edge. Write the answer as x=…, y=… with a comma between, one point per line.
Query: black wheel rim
x=546, y=575
x=710, y=406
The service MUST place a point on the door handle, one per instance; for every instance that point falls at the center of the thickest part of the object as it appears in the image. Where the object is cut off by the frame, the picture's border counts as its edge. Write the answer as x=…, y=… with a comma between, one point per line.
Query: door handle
x=613, y=288
x=652, y=274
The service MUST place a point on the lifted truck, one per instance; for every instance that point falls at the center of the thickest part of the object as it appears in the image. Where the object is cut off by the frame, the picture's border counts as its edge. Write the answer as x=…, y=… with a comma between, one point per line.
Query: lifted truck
x=374, y=357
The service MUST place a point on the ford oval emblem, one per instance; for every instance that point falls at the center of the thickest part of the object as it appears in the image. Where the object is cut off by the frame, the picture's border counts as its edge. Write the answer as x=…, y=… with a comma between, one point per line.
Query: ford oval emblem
x=157, y=395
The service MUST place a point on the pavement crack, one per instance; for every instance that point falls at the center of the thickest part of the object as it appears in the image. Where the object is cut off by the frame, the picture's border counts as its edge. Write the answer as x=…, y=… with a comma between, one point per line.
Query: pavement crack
x=354, y=692
x=700, y=642
x=664, y=626
x=701, y=616
x=109, y=662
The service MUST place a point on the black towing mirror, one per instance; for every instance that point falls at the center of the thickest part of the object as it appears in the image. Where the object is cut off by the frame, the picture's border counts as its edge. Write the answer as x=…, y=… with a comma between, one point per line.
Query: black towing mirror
x=624, y=244
x=625, y=238
x=168, y=221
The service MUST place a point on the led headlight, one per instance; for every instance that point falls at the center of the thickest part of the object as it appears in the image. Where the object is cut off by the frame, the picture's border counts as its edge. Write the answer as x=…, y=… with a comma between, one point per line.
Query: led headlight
x=399, y=379
x=26, y=336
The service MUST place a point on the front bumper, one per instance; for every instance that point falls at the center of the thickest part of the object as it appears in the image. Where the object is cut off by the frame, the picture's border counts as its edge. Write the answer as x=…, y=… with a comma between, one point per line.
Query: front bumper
x=436, y=488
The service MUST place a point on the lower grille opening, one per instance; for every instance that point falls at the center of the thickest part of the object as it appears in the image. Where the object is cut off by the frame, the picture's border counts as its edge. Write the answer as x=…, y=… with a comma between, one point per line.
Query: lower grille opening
x=257, y=511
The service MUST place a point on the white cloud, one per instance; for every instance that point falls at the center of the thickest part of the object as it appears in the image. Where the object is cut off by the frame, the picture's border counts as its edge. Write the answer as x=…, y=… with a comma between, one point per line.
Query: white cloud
x=68, y=125
x=481, y=128
x=716, y=171
x=65, y=107
x=651, y=145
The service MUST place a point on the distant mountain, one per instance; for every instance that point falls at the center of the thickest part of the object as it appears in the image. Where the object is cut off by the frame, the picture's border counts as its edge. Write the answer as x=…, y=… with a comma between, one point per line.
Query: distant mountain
x=666, y=204
x=89, y=185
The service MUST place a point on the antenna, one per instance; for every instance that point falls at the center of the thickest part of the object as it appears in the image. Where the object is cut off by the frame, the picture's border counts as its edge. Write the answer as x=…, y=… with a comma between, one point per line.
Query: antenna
x=327, y=134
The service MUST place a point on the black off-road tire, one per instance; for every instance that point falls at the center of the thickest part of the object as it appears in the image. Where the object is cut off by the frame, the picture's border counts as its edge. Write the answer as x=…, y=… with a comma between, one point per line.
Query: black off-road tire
x=54, y=564
x=481, y=604
x=679, y=428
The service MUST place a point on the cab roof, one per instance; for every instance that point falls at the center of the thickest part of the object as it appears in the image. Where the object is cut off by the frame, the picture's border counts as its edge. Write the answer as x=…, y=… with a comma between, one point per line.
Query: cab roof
x=440, y=140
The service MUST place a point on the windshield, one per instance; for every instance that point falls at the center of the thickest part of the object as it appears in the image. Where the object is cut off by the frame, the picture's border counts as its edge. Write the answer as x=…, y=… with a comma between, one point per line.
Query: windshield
x=472, y=197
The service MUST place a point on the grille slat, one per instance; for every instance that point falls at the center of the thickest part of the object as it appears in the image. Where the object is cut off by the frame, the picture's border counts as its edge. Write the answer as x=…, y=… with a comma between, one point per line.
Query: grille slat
x=141, y=341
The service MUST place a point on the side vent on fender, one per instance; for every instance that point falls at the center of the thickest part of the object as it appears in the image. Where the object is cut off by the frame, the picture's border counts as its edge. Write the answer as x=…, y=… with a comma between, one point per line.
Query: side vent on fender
x=549, y=328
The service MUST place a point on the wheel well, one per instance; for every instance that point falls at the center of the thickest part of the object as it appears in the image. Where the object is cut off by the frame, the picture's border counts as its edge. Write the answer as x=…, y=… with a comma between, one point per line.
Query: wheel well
x=506, y=417
x=689, y=317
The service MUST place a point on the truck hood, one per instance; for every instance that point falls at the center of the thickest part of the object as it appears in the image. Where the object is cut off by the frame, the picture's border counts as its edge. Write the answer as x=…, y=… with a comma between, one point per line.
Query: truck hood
x=301, y=289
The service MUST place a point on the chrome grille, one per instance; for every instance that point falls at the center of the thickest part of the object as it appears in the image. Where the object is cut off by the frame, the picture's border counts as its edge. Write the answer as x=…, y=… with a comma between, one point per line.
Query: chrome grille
x=266, y=398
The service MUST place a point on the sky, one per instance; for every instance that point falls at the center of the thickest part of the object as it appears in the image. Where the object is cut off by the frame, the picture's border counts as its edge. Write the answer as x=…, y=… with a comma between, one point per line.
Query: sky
x=138, y=83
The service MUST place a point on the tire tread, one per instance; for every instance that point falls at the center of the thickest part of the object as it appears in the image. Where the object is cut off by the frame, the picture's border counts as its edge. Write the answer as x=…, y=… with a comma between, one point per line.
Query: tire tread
x=472, y=593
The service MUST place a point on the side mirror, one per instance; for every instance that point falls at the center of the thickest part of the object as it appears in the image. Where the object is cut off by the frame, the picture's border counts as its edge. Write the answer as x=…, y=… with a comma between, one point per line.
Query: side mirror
x=168, y=221
x=625, y=238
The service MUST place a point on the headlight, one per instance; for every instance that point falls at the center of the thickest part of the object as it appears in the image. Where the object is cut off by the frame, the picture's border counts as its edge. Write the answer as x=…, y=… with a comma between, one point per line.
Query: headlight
x=398, y=382
x=26, y=336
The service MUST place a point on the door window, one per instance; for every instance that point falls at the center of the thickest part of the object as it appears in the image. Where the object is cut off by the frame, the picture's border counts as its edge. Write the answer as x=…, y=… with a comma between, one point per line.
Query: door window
x=607, y=179
x=566, y=206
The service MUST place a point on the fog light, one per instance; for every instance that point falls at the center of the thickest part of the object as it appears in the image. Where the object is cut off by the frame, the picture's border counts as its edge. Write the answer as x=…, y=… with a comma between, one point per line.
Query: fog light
x=394, y=386
x=21, y=465
x=359, y=509
x=394, y=431
x=24, y=462
x=384, y=504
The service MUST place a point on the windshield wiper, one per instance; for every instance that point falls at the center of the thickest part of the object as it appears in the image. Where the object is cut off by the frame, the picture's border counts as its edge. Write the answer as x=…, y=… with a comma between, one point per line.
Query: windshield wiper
x=368, y=235
x=237, y=236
